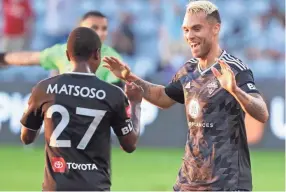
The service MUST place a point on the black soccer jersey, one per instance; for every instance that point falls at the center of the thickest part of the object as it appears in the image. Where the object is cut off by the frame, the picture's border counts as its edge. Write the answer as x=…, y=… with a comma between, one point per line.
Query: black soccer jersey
x=216, y=152
x=78, y=110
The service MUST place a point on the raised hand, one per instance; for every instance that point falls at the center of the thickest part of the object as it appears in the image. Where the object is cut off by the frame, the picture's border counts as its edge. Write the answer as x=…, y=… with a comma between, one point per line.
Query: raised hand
x=134, y=92
x=117, y=67
x=226, y=77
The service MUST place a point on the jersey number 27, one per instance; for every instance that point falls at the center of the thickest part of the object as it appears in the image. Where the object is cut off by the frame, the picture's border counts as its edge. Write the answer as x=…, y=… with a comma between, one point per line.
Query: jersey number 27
x=54, y=142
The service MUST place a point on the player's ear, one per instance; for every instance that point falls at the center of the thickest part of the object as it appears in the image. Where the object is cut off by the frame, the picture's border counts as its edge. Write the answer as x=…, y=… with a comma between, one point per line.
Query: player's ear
x=216, y=28
x=68, y=56
x=96, y=54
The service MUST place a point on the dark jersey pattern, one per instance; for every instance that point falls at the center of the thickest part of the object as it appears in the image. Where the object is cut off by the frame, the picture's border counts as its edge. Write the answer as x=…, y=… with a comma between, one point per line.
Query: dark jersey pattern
x=78, y=110
x=216, y=152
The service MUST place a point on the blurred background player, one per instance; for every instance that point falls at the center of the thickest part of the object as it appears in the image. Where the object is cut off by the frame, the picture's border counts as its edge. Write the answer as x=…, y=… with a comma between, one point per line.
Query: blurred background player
x=18, y=19
x=78, y=110
x=54, y=58
x=216, y=93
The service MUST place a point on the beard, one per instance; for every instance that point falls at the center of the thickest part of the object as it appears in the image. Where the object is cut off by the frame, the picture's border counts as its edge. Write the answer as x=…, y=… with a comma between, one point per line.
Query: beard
x=202, y=50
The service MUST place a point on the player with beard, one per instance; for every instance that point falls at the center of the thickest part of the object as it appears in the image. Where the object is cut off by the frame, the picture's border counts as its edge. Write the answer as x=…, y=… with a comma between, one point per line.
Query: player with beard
x=78, y=110
x=217, y=89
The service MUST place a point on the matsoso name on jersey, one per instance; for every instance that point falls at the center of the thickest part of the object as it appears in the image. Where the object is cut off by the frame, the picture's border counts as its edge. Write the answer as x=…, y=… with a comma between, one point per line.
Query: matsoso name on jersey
x=76, y=91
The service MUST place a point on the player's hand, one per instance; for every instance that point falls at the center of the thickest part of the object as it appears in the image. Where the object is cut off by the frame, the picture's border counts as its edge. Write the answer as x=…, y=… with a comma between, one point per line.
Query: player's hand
x=117, y=67
x=134, y=92
x=226, y=77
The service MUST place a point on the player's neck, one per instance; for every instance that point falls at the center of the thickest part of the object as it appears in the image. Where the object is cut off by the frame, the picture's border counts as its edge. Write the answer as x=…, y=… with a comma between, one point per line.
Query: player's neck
x=210, y=59
x=80, y=67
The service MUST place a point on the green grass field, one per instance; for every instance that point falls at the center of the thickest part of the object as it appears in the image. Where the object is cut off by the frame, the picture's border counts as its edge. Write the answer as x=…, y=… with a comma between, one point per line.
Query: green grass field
x=145, y=169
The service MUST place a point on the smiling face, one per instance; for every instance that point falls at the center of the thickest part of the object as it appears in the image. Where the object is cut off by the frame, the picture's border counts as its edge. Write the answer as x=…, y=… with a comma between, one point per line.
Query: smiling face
x=201, y=27
x=200, y=32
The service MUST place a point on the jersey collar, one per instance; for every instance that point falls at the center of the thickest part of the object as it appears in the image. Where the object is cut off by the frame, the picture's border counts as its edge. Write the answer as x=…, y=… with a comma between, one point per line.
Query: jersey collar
x=206, y=70
x=79, y=73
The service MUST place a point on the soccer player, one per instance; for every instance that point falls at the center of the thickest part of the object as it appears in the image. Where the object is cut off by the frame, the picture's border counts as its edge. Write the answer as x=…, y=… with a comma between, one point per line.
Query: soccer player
x=54, y=58
x=78, y=110
x=217, y=89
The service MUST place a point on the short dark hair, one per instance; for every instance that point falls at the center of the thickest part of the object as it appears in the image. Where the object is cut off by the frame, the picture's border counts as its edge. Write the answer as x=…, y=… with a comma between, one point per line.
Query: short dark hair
x=215, y=15
x=82, y=43
x=92, y=14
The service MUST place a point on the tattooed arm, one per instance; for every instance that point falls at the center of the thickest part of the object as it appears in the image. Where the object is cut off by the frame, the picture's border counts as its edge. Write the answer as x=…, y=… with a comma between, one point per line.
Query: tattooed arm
x=153, y=93
x=243, y=89
x=253, y=104
x=20, y=58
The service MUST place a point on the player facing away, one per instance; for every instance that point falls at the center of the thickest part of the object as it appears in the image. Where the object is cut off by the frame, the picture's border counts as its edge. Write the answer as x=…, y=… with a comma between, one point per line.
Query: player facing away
x=78, y=110
x=217, y=94
x=53, y=58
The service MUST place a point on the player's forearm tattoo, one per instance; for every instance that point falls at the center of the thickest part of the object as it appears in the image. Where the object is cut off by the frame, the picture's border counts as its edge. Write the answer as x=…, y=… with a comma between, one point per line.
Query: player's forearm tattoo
x=253, y=104
x=147, y=87
x=135, y=117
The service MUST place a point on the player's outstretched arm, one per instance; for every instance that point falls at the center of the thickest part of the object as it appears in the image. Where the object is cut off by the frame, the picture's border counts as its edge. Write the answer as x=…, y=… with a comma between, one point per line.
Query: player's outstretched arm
x=22, y=58
x=153, y=93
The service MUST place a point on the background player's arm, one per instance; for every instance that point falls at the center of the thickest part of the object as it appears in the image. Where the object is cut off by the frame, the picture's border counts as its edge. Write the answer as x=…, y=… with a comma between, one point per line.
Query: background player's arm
x=127, y=122
x=22, y=58
x=32, y=119
x=46, y=58
x=153, y=93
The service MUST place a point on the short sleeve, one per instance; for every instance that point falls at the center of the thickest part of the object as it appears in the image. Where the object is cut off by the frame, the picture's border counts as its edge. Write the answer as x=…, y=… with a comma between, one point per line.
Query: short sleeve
x=48, y=57
x=175, y=91
x=121, y=123
x=245, y=81
x=32, y=117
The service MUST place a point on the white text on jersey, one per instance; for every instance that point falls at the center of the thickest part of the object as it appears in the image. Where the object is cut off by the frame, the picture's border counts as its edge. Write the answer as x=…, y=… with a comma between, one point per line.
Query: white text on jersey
x=77, y=91
x=82, y=167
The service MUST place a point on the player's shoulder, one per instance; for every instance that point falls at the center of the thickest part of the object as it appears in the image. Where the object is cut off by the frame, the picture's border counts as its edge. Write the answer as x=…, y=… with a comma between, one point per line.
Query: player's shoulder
x=39, y=90
x=109, y=51
x=189, y=66
x=114, y=89
x=236, y=64
x=114, y=94
x=105, y=48
x=45, y=82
